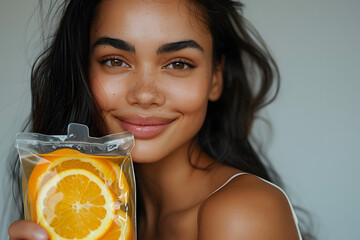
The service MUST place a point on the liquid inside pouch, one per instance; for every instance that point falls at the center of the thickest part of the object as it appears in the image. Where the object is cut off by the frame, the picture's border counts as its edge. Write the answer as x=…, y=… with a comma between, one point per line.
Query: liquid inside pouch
x=79, y=187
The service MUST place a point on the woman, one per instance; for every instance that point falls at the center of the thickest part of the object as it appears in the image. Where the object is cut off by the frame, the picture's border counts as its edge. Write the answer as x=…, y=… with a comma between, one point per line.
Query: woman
x=180, y=75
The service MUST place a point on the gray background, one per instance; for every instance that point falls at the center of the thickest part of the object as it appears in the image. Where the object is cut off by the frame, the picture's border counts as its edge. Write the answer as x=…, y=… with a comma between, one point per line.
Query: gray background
x=314, y=142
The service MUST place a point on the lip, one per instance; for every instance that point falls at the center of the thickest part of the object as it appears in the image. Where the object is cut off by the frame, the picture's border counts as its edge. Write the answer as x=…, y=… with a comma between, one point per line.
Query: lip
x=144, y=127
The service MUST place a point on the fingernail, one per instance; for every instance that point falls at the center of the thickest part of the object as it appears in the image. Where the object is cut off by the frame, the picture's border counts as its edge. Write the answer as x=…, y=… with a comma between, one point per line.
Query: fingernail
x=40, y=234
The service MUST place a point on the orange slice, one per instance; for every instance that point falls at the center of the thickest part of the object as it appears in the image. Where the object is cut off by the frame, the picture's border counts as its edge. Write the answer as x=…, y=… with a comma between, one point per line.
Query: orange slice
x=120, y=228
x=66, y=158
x=37, y=176
x=120, y=187
x=98, y=166
x=75, y=204
x=56, y=162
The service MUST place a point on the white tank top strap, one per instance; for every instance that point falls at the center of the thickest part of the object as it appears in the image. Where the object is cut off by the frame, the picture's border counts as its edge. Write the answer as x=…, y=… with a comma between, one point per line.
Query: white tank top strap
x=231, y=178
x=291, y=207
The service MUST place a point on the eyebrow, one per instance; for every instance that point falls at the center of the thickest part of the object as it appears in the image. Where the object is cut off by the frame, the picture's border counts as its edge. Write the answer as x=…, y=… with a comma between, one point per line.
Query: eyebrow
x=116, y=43
x=177, y=46
x=166, y=48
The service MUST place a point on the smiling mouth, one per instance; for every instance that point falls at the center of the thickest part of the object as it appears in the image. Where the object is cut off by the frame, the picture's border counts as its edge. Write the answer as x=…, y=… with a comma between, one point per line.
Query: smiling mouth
x=145, y=127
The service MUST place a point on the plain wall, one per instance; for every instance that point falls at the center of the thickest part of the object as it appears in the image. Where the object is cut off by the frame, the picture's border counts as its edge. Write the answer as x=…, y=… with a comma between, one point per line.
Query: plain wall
x=16, y=55
x=314, y=142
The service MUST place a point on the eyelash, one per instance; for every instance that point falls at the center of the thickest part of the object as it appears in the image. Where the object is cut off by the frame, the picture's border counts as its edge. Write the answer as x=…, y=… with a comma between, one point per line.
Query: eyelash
x=113, y=58
x=187, y=64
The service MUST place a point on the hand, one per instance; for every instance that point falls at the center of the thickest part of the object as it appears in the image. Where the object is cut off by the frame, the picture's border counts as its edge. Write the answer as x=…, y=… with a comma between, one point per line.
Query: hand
x=27, y=230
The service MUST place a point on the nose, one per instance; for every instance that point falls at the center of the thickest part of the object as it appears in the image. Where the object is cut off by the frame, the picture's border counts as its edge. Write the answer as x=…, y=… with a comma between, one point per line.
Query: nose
x=145, y=91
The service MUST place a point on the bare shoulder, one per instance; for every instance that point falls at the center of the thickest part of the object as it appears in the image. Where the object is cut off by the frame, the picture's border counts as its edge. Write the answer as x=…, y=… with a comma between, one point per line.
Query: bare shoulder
x=246, y=208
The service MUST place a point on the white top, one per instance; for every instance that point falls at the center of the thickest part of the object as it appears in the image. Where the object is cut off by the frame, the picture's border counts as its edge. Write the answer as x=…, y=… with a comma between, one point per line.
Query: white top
x=291, y=207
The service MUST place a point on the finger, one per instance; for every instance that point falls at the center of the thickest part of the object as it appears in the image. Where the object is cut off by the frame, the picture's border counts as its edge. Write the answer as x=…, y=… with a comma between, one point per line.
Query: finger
x=23, y=229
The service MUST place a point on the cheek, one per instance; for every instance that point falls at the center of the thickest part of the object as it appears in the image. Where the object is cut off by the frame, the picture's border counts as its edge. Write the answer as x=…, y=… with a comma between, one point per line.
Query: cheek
x=192, y=98
x=99, y=92
x=193, y=104
x=104, y=92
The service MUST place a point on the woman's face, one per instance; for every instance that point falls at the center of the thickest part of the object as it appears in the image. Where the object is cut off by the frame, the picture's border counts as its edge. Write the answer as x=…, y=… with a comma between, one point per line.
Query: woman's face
x=151, y=72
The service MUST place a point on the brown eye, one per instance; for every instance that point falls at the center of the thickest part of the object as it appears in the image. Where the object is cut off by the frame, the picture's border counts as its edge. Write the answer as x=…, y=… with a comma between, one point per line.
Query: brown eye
x=179, y=65
x=114, y=62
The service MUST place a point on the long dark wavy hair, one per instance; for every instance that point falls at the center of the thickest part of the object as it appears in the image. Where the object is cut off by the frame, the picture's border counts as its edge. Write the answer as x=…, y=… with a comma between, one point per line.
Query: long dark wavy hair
x=61, y=93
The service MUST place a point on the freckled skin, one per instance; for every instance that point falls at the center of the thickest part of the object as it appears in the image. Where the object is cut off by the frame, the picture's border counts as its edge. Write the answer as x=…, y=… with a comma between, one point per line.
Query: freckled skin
x=145, y=87
x=142, y=83
x=176, y=86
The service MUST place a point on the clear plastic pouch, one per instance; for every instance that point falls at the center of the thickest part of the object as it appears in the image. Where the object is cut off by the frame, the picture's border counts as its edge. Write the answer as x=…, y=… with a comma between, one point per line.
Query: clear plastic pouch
x=79, y=187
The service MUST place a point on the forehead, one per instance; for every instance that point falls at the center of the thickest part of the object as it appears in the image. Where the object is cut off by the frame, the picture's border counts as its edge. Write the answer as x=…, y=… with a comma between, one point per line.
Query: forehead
x=165, y=20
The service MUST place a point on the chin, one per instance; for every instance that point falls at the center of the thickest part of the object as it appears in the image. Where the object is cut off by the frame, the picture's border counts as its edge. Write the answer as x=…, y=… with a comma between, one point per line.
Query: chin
x=144, y=155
